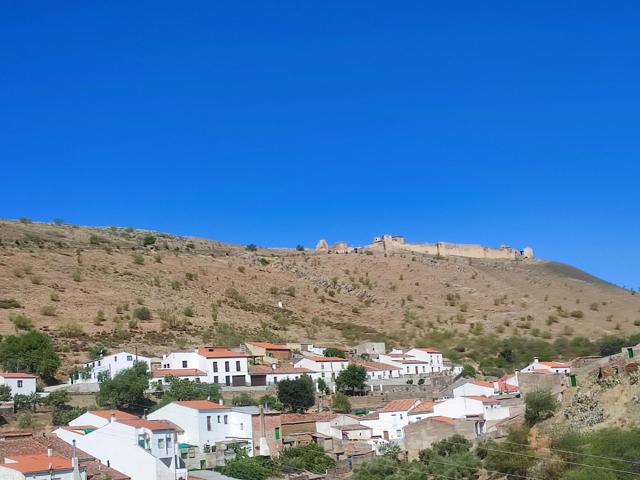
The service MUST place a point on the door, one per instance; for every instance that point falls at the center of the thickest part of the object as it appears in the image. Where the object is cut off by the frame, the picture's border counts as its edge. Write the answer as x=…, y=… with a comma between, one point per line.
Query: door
x=574, y=381
x=238, y=381
x=630, y=352
x=258, y=380
x=385, y=435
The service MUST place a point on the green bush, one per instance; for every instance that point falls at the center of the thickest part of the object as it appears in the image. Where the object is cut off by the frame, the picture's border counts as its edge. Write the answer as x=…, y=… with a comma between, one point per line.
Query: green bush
x=142, y=313
x=539, y=406
x=310, y=457
x=32, y=352
x=341, y=403
x=9, y=303
x=21, y=322
x=251, y=247
x=61, y=417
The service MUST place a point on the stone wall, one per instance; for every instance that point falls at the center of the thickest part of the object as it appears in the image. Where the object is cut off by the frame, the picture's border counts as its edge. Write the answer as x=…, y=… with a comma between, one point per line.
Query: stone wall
x=422, y=434
x=533, y=382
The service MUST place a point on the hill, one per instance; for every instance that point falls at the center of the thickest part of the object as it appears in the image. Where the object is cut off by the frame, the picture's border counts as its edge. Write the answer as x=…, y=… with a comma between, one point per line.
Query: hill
x=129, y=288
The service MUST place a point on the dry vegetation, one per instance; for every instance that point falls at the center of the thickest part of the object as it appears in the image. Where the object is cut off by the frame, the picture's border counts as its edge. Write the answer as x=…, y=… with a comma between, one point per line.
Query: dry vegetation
x=125, y=288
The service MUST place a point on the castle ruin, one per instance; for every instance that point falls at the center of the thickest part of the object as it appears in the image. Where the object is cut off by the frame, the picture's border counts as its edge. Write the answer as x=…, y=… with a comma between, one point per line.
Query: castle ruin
x=391, y=243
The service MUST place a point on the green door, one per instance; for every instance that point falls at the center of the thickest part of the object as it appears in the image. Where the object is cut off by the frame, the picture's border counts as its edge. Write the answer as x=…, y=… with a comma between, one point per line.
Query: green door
x=574, y=381
x=630, y=352
x=277, y=433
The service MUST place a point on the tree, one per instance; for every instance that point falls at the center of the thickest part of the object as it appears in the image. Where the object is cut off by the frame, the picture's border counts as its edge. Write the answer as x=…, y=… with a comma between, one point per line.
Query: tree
x=334, y=352
x=539, y=406
x=125, y=388
x=511, y=457
x=58, y=221
x=251, y=247
x=468, y=371
x=32, y=352
x=148, y=240
x=300, y=248
x=271, y=402
x=352, y=378
x=297, y=395
x=310, y=457
x=64, y=416
x=5, y=393
x=243, y=400
x=341, y=403
x=181, y=389
x=451, y=458
x=58, y=399
x=245, y=467
x=322, y=386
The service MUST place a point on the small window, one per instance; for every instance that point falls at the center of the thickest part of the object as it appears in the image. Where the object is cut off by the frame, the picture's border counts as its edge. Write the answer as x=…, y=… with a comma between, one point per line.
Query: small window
x=218, y=418
x=215, y=369
x=168, y=442
x=226, y=419
x=241, y=426
x=19, y=383
x=161, y=443
x=197, y=379
x=99, y=362
x=238, y=366
x=226, y=366
x=184, y=364
x=215, y=379
x=209, y=422
x=115, y=359
x=129, y=358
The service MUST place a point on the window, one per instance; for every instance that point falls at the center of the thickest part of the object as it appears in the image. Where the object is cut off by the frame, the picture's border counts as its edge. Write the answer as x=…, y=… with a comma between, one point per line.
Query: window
x=19, y=383
x=129, y=358
x=277, y=433
x=400, y=416
x=218, y=418
x=197, y=379
x=398, y=433
x=226, y=366
x=215, y=379
x=115, y=359
x=241, y=426
x=215, y=367
x=184, y=364
x=141, y=441
x=226, y=419
x=238, y=366
x=168, y=442
x=99, y=362
x=209, y=423
x=161, y=443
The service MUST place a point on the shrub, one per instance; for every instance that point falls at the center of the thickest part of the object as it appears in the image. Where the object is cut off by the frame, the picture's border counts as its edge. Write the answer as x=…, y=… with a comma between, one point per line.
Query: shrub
x=9, y=303
x=94, y=239
x=594, y=306
x=138, y=259
x=54, y=297
x=468, y=371
x=62, y=417
x=32, y=351
x=297, y=395
x=48, y=310
x=300, y=248
x=291, y=291
x=341, y=403
x=148, y=240
x=25, y=421
x=188, y=312
x=577, y=314
x=142, y=313
x=21, y=322
x=273, y=290
x=539, y=406
x=241, y=269
x=251, y=247
x=310, y=457
x=76, y=275
x=71, y=329
x=233, y=294
x=5, y=393
x=36, y=279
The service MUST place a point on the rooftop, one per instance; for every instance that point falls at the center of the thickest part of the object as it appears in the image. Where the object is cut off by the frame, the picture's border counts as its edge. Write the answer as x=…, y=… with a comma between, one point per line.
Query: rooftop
x=37, y=463
x=270, y=346
x=218, y=352
x=482, y=383
x=423, y=407
x=429, y=350
x=482, y=399
x=201, y=405
x=403, y=405
x=152, y=425
x=107, y=414
x=266, y=369
x=318, y=358
x=351, y=427
x=16, y=375
x=378, y=366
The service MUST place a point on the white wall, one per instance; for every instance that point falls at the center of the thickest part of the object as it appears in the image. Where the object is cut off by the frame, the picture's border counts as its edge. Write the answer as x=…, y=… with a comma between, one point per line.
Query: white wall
x=112, y=365
x=469, y=389
x=28, y=385
x=458, y=407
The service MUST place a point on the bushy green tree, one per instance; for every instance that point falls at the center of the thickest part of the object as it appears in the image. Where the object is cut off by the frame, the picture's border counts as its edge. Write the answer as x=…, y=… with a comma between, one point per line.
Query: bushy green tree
x=5, y=393
x=468, y=371
x=63, y=416
x=243, y=400
x=334, y=352
x=451, y=458
x=271, y=402
x=32, y=352
x=352, y=378
x=297, y=395
x=125, y=388
x=58, y=399
x=245, y=467
x=513, y=457
x=310, y=457
x=539, y=406
x=181, y=389
x=341, y=403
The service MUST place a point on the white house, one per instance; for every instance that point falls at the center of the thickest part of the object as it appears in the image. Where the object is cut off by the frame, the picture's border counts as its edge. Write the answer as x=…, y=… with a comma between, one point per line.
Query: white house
x=547, y=367
x=389, y=421
x=430, y=355
x=380, y=371
x=421, y=411
x=327, y=367
x=204, y=425
x=108, y=365
x=162, y=376
x=475, y=387
x=41, y=466
x=222, y=366
x=19, y=383
x=507, y=384
x=353, y=432
x=142, y=449
x=470, y=406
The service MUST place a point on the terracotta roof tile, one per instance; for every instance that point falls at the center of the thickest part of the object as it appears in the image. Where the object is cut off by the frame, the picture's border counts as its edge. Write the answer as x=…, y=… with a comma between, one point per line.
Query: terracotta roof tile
x=429, y=350
x=16, y=375
x=403, y=405
x=119, y=414
x=270, y=346
x=38, y=463
x=178, y=372
x=149, y=424
x=219, y=352
x=318, y=358
x=266, y=369
x=439, y=418
x=378, y=366
x=482, y=383
x=201, y=405
x=423, y=407
x=482, y=399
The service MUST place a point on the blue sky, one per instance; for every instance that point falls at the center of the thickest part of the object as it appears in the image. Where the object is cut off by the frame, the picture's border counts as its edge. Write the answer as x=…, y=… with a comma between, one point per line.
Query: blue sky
x=280, y=123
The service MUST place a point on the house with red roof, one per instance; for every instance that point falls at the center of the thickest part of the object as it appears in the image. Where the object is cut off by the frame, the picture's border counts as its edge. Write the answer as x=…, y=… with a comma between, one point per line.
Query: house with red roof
x=40, y=466
x=140, y=448
x=161, y=377
x=472, y=406
x=475, y=387
x=328, y=368
x=388, y=422
x=222, y=365
x=267, y=352
x=272, y=374
x=19, y=383
x=379, y=370
x=553, y=367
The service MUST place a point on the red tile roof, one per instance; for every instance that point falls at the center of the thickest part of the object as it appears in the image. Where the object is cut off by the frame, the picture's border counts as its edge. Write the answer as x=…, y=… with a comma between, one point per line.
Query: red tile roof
x=356, y=426
x=16, y=375
x=369, y=416
x=414, y=361
x=219, y=352
x=119, y=414
x=178, y=372
x=149, y=424
x=201, y=405
x=399, y=405
x=507, y=388
x=378, y=366
x=554, y=364
x=291, y=418
x=482, y=399
x=270, y=346
x=482, y=383
x=38, y=463
x=318, y=358
x=429, y=350
x=424, y=407
x=439, y=418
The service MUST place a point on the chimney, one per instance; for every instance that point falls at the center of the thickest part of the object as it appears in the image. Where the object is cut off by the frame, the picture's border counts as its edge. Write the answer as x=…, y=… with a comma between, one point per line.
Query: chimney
x=49, y=452
x=74, y=464
x=264, y=446
x=535, y=359
x=273, y=366
x=221, y=401
x=112, y=419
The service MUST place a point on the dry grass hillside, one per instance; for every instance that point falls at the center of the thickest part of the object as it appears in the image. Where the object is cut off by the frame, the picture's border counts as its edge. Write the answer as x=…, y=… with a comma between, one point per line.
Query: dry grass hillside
x=104, y=285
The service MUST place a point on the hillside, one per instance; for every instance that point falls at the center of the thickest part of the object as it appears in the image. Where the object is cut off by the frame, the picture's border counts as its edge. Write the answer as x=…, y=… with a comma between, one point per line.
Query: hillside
x=104, y=285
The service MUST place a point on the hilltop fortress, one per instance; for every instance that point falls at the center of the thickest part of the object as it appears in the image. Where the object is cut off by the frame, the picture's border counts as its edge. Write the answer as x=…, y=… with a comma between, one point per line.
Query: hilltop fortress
x=391, y=243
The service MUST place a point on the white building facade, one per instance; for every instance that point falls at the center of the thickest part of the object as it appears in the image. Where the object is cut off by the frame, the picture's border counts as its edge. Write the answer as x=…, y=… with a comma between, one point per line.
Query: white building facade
x=19, y=383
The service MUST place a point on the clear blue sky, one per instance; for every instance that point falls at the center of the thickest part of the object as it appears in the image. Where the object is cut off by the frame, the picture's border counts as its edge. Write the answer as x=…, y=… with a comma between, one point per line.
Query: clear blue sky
x=280, y=123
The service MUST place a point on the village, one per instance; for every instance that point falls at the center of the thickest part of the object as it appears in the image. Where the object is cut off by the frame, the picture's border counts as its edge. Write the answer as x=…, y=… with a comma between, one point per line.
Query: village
x=407, y=399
